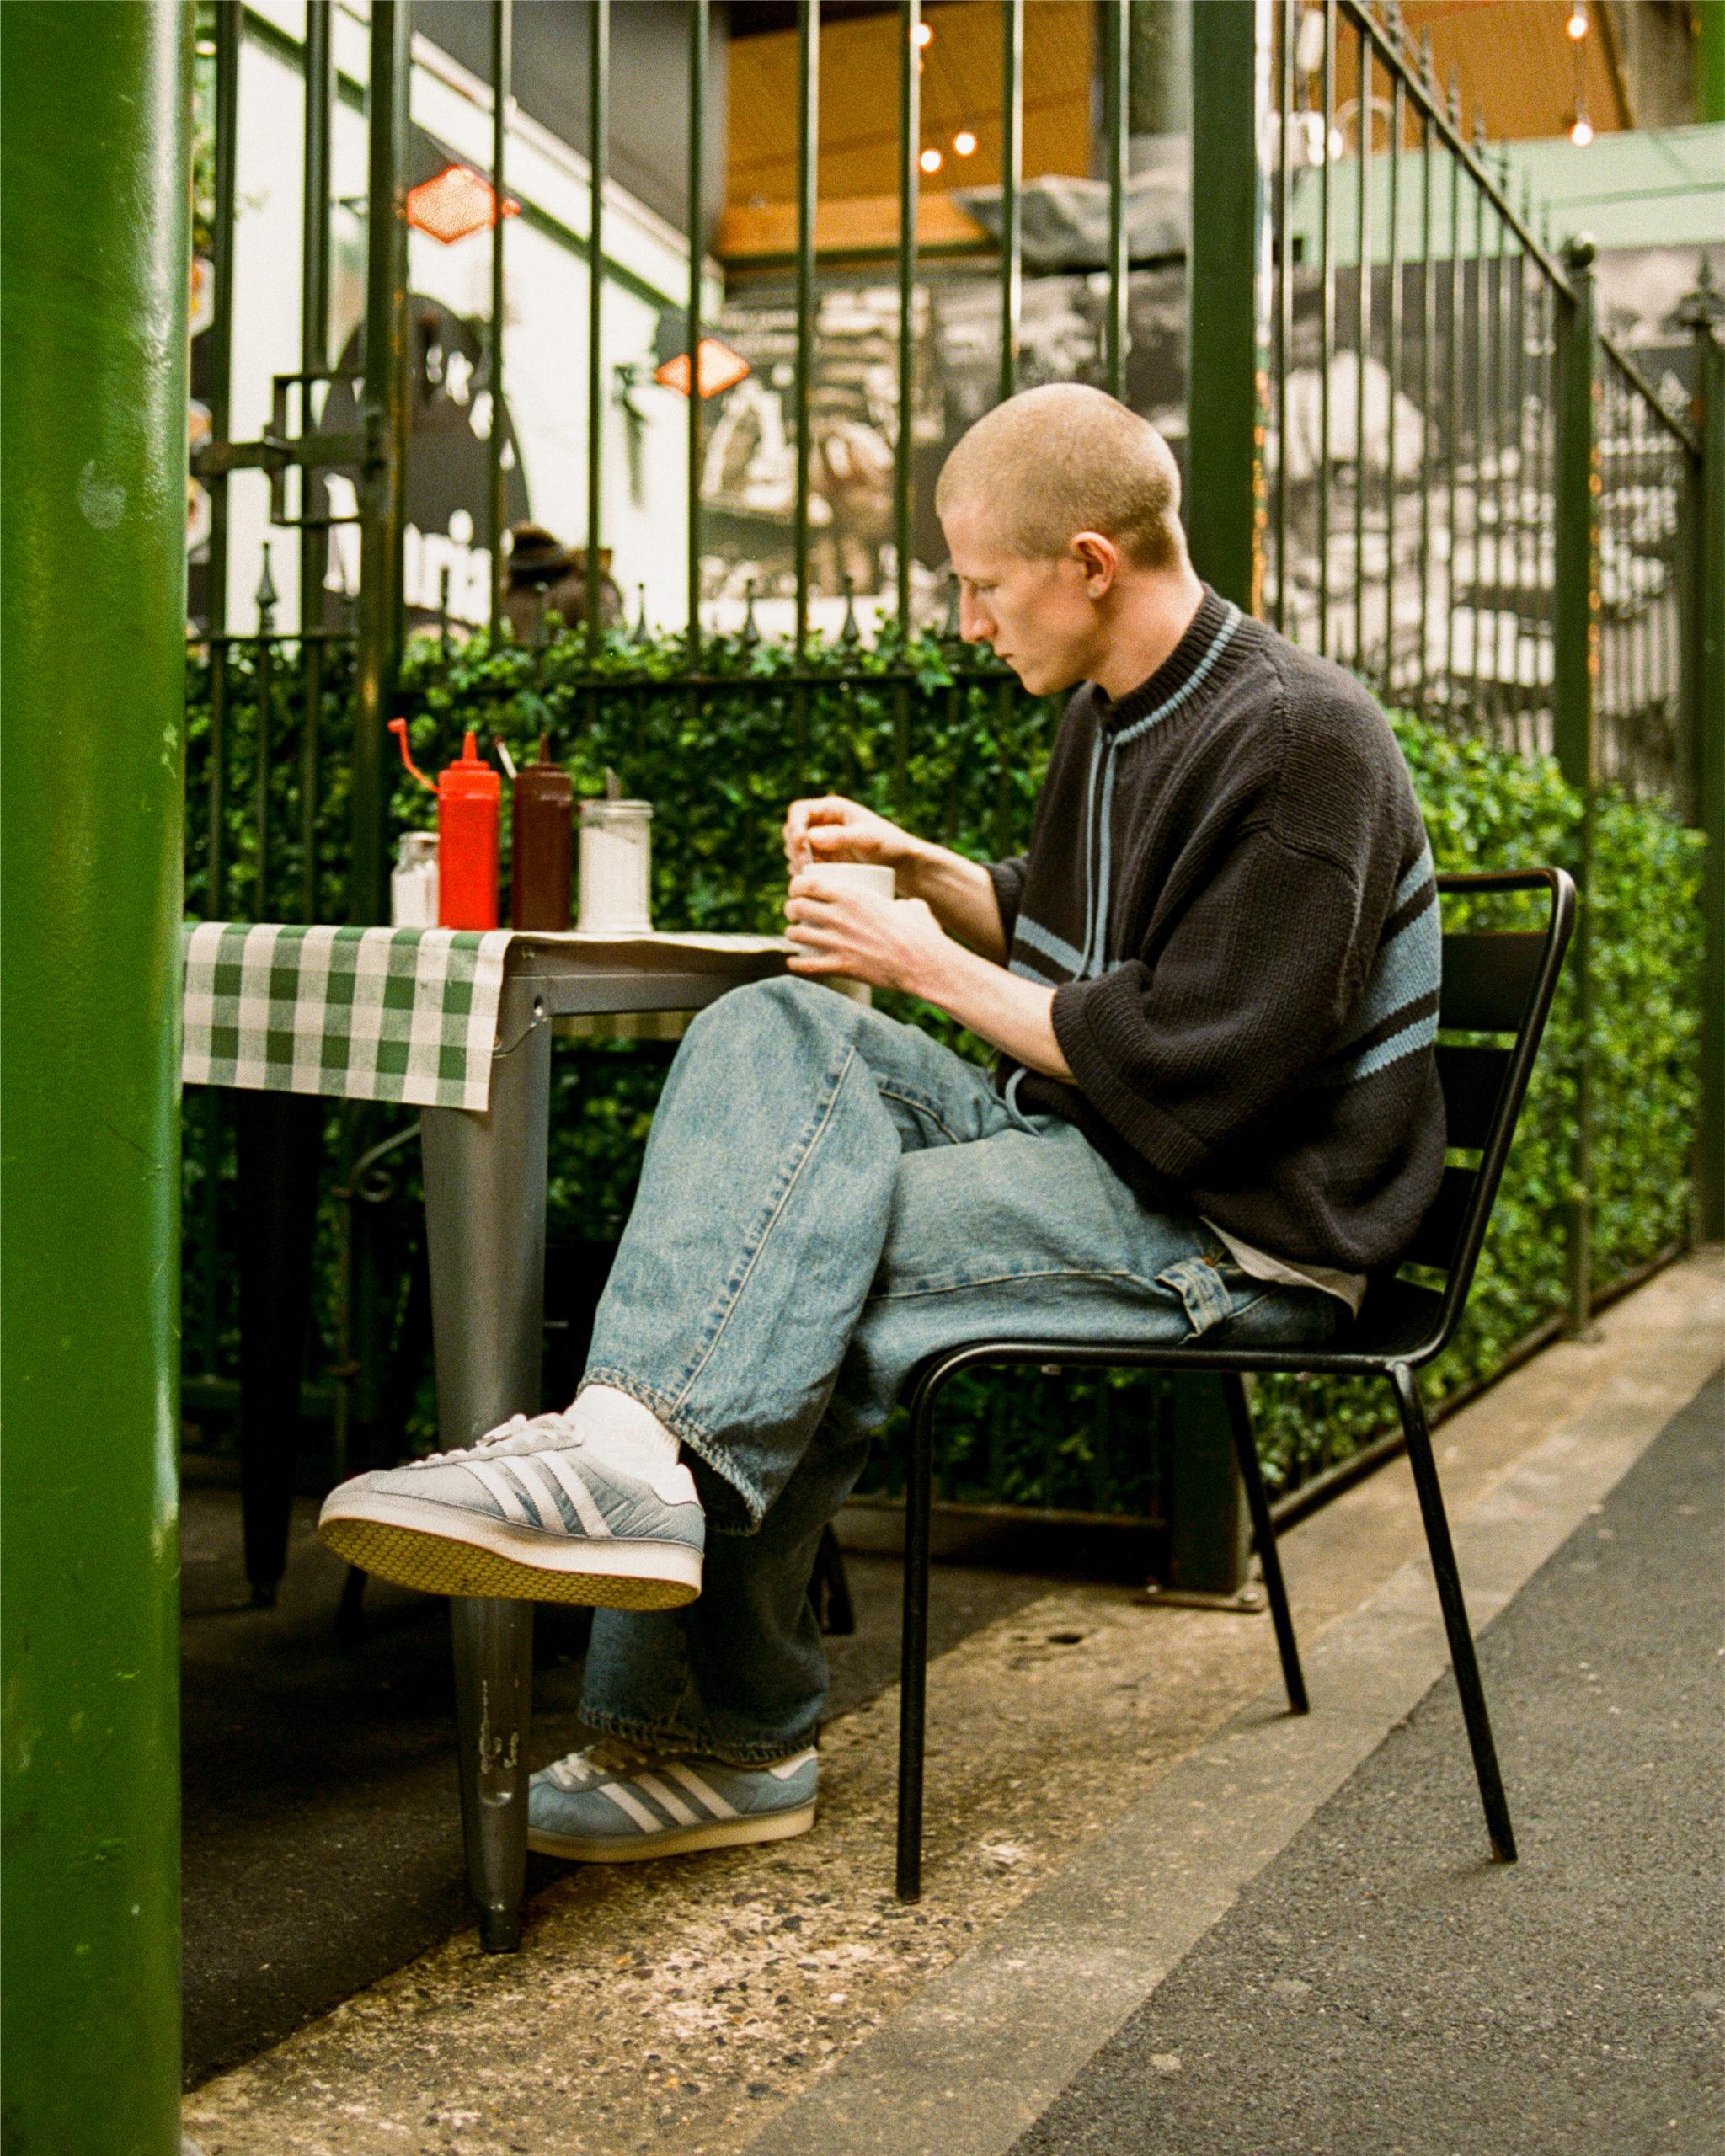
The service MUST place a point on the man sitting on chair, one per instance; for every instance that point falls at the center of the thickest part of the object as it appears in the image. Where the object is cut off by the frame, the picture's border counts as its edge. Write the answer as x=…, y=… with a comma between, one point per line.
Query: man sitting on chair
x=1212, y=982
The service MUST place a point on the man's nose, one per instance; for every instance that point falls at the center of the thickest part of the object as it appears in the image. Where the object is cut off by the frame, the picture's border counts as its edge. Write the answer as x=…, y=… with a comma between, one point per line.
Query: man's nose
x=975, y=625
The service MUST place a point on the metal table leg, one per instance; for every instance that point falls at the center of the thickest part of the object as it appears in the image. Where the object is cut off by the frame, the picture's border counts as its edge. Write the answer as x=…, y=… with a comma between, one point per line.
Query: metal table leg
x=485, y=1229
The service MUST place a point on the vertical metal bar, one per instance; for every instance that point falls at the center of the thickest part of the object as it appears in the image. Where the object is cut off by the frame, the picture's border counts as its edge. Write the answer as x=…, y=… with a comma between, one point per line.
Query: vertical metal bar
x=599, y=170
x=229, y=30
x=1576, y=658
x=1453, y=384
x=1707, y=710
x=1362, y=312
x=1282, y=251
x=264, y=687
x=1500, y=410
x=1477, y=311
x=502, y=59
x=807, y=200
x=910, y=138
x=1012, y=174
x=698, y=27
x=1117, y=63
x=314, y=357
x=1326, y=331
x=1398, y=114
x=379, y=646
x=1544, y=530
x=1427, y=343
x=1225, y=296
x=1516, y=325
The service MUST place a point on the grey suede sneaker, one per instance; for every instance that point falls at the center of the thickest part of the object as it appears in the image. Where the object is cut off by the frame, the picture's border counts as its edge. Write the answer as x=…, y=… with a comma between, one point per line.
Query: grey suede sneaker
x=618, y=1802
x=531, y=1513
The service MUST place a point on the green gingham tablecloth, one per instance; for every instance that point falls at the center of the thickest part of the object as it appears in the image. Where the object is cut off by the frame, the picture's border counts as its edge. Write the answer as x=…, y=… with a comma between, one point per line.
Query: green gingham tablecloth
x=367, y=1014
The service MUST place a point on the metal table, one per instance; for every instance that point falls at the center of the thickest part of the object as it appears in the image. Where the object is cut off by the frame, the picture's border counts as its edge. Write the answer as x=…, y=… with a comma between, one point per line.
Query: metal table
x=485, y=1181
x=280, y=1010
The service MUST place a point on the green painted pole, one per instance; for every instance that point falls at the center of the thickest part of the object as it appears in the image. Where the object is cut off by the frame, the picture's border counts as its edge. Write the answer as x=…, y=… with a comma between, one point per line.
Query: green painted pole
x=1710, y=59
x=1575, y=661
x=378, y=657
x=92, y=341
x=1226, y=309
x=1709, y=765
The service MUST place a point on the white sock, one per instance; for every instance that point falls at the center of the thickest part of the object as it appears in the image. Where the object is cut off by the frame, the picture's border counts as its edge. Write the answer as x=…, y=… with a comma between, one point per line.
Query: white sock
x=626, y=1434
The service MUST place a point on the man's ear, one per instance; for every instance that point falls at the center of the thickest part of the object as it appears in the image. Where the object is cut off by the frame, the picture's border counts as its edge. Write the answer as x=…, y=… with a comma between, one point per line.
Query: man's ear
x=1100, y=560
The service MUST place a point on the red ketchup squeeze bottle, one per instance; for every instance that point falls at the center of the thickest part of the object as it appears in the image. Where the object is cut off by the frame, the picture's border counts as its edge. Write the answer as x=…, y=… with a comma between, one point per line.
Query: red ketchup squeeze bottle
x=467, y=793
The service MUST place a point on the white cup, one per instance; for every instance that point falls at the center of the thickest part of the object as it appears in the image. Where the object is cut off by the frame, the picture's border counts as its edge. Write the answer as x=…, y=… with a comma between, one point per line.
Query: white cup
x=876, y=879
x=872, y=877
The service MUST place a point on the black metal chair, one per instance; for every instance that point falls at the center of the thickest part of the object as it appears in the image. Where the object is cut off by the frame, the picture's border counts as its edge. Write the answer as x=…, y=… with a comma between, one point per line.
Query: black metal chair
x=1499, y=982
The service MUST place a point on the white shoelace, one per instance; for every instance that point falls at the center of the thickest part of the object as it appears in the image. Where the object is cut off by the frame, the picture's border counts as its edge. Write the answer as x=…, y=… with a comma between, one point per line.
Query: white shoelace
x=520, y=1434
x=612, y=1758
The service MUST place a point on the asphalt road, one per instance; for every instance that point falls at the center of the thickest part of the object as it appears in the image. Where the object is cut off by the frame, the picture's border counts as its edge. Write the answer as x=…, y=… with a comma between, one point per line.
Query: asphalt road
x=1383, y=1989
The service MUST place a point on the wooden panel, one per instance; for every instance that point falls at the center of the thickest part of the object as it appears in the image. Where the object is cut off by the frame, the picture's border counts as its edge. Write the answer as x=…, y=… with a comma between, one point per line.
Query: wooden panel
x=961, y=89
x=1487, y=981
x=865, y=224
x=1472, y=1079
x=1440, y=1231
x=1516, y=61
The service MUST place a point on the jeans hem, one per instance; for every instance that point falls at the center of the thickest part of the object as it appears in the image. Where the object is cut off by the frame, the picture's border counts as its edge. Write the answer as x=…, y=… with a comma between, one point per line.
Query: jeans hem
x=686, y=1431
x=669, y=1734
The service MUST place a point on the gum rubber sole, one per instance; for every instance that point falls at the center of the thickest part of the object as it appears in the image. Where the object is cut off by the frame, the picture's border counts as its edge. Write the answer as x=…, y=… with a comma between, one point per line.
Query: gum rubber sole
x=441, y=1564
x=676, y=1841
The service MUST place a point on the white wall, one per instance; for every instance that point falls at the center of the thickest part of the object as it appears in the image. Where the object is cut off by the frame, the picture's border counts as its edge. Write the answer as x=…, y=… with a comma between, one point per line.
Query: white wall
x=546, y=317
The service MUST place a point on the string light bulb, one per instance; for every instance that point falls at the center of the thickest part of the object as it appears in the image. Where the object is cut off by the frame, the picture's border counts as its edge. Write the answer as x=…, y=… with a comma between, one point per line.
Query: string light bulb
x=930, y=161
x=925, y=33
x=963, y=143
x=1576, y=24
x=1581, y=131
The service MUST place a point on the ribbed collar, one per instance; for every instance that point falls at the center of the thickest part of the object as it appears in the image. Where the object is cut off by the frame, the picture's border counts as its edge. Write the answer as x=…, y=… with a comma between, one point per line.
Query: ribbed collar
x=1195, y=652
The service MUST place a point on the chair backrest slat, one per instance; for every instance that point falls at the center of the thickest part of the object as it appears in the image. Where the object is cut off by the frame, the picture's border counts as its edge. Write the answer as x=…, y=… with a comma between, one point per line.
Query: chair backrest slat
x=1446, y=1221
x=1472, y=1079
x=1488, y=980
x=1493, y=982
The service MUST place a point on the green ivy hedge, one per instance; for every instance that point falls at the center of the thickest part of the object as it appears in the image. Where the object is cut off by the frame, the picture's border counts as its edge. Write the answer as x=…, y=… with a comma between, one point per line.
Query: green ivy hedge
x=923, y=734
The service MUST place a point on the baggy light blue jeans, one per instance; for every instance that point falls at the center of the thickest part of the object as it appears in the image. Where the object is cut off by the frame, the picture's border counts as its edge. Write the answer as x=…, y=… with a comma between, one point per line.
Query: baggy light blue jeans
x=828, y=1197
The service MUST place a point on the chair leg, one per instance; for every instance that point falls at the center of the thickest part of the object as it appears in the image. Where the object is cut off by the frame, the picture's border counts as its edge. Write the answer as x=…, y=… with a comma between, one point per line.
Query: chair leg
x=1449, y=1578
x=913, y=1667
x=830, y=1588
x=1258, y=1504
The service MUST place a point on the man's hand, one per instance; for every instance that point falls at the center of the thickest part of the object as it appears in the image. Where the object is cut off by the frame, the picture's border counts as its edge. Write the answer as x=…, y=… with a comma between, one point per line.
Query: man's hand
x=830, y=828
x=887, y=942
x=958, y=892
x=899, y=943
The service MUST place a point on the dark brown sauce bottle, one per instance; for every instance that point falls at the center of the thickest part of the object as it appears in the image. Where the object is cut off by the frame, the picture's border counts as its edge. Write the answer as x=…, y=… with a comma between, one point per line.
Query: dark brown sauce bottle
x=544, y=844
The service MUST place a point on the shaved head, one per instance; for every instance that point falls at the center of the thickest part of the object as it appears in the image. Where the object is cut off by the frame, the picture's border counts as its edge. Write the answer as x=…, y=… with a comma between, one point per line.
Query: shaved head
x=1053, y=462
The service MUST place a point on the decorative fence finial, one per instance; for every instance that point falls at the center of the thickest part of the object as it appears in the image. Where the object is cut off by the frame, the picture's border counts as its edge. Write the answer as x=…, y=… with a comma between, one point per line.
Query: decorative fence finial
x=851, y=635
x=751, y=627
x=268, y=599
x=641, y=633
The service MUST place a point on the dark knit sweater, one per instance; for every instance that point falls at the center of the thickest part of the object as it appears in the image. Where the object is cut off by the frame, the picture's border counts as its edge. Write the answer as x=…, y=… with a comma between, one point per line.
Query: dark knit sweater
x=1229, y=887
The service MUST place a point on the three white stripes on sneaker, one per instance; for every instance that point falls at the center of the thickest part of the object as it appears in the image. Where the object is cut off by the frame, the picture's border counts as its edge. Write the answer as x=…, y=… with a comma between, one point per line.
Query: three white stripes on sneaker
x=621, y=1794
x=508, y=1484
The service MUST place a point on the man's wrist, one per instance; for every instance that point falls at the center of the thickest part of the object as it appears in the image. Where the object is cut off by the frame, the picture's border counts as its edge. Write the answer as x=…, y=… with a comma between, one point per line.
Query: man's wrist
x=914, y=865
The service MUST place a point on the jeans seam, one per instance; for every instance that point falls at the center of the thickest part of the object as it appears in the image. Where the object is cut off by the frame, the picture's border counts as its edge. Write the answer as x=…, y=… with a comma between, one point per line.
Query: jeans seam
x=683, y=1426
x=776, y=1204
x=630, y=1726
x=1006, y=1279
x=922, y=1108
